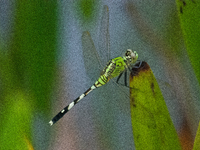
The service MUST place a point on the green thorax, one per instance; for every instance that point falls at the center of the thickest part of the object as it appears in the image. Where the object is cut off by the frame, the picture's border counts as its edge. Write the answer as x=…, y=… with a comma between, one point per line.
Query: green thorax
x=114, y=67
x=119, y=68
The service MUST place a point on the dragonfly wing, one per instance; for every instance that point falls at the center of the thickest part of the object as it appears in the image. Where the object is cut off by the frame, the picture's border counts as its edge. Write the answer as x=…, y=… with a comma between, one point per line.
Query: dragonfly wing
x=104, y=36
x=91, y=58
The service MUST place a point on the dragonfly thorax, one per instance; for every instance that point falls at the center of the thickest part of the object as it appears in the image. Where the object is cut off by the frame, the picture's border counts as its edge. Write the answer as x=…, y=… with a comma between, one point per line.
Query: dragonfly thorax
x=130, y=56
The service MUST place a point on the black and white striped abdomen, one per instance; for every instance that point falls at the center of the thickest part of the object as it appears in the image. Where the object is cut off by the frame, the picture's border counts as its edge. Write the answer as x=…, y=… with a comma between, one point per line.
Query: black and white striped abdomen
x=67, y=108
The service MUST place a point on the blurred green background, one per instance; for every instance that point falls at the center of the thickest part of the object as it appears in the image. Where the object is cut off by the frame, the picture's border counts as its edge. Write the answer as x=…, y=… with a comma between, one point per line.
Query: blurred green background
x=42, y=70
x=27, y=74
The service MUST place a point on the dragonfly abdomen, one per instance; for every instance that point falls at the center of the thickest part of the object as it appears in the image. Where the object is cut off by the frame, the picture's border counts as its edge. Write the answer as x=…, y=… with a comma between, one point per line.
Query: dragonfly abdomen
x=67, y=108
x=101, y=81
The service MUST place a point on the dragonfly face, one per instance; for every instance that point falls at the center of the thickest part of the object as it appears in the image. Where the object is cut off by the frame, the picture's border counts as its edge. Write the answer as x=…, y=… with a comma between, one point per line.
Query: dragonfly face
x=131, y=56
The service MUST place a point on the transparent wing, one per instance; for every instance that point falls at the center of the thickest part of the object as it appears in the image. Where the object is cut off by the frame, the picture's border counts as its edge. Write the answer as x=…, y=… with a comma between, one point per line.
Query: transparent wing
x=95, y=61
x=91, y=58
x=104, y=37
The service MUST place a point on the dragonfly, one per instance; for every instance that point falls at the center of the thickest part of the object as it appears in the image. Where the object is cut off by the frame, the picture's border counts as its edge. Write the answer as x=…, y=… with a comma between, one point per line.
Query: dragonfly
x=115, y=67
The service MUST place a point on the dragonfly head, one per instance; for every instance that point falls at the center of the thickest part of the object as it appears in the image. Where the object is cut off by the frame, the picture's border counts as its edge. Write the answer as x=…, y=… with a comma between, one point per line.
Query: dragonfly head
x=131, y=56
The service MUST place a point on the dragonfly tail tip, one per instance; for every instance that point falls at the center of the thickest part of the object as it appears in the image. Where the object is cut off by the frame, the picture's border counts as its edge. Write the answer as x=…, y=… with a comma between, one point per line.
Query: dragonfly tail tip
x=51, y=123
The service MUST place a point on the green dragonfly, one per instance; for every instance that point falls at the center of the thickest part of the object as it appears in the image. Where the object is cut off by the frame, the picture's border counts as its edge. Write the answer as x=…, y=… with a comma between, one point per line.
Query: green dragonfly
x=115, y=67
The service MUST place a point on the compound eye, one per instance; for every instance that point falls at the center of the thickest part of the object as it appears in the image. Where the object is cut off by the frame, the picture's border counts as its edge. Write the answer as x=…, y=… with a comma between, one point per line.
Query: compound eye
x=133, y=55
x=128, y=52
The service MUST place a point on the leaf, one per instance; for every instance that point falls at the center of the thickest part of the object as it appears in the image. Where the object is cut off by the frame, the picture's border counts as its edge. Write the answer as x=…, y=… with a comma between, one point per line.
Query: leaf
x=86, y=10
x=151, y=122
x=33, y=49
x=16, y=122
x=27, y=74
x=197, y=139
x=189, y=14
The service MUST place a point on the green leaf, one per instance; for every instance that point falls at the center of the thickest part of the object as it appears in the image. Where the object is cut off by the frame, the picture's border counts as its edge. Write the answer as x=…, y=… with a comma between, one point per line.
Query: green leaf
x=27, y=73
x=86, y=10
x=151, y=122
x=189, y=14
x=33, y=49
x=197, y=139
x=15, y=130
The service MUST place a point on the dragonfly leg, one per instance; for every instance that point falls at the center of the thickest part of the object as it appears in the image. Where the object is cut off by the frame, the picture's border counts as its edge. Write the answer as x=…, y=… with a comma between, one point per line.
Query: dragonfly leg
x=125, y=77
x=140, y=63
x=119, y=77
